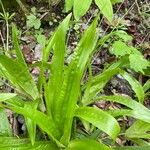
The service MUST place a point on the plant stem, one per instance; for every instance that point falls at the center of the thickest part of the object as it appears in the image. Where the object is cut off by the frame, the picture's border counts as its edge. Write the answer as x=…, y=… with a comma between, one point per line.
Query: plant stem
x=2, y=8
x=7, y=36
x=7, y=27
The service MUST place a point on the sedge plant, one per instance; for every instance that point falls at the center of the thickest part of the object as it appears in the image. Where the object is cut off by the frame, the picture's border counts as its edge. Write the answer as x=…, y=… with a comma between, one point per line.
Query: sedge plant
x=61, y=99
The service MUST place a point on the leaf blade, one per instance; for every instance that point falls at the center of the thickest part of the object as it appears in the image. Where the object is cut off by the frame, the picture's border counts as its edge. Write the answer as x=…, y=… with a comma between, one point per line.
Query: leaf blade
x=136, y=86
x=106, y=8
x=5, y=129
x=139, y=111
x=100, y=119
x=80, y=8
x=19, y=75
x=87, y=144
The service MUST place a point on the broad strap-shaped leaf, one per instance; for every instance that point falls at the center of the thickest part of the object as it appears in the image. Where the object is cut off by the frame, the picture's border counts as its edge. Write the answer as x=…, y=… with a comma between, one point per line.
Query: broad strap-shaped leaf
x=136, y=86
x=80, y=8
x=97, y=83
x=31, y=125
x=57, y=66
x=123, y=62
x=20, y=77
x=6, y=96
x=133, y=148
x=63, y=26
x=75, y=72
x=11, y=143
x=100, y=119
x=5, y=129
x=42, y=120
x=86, y=144
x=106, y=8
x=139, y=129
x=138, y=110
x=17, y=48
x=146, y=86
x=141, y=142
x=147, y=71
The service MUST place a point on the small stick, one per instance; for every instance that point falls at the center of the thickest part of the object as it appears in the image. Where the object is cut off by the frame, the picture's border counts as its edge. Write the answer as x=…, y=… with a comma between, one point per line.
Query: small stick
x=2, y=39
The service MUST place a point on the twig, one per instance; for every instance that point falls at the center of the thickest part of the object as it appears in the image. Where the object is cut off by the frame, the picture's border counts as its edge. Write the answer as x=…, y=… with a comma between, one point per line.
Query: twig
x=2, y=39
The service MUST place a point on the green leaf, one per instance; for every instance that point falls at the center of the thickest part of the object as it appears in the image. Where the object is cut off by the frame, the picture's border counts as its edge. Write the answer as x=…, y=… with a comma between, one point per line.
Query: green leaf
x=68, y=5
x=147, y=72
x=133, y=148
x=5, y=129
x=136, y=86
x=31, y=125
x=121, y=112
x=138, y=130
x=97, y=83
x=106, y=8
x=6, y=96
x=100, y=119
x=57, y=66
x=19, y=75
x=136, y=59
x=33, y=21
x=41, y=39
x=123, y=35
x=116, y=1
x=123, y=62
x=138, y=111
x=63, y=26
x=141, y=142
x=11, y=143
x=86, y=144
x=17, y=48
x=120, y=49
x=146, y=86
x=43, y=121
x=75, y=71
x=80, y=8
x=138, y=63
